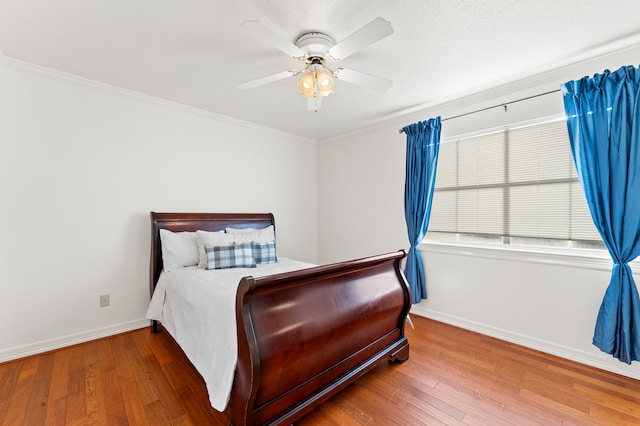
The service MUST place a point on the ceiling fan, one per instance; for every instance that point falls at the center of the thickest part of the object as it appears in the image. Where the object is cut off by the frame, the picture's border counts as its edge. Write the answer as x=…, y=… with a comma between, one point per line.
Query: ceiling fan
x=315, y=50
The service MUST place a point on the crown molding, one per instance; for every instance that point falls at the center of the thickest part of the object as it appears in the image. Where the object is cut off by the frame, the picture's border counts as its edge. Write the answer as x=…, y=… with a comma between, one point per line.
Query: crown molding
x=76, y=79
x=542, y=79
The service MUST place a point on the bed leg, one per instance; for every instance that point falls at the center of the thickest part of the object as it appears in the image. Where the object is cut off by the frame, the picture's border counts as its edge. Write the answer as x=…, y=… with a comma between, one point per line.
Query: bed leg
x=401, y=355
x=154, y=327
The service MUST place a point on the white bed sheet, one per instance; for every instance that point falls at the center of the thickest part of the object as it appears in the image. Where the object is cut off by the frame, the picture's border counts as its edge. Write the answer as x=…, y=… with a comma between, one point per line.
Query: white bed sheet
x=197, y=307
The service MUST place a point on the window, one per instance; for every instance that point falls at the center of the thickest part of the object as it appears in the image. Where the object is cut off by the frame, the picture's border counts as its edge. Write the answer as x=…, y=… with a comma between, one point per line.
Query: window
x=515, y=185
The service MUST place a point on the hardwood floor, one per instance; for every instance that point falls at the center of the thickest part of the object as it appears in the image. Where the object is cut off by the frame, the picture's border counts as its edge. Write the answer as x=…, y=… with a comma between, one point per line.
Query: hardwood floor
x=453, y=377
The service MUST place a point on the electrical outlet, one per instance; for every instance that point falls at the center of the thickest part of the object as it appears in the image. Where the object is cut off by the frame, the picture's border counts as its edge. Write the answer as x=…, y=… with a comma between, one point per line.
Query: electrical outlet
x=104, y=300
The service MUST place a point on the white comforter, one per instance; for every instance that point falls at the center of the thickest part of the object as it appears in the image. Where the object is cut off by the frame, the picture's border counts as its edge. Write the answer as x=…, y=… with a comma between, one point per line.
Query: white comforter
x=197, y=307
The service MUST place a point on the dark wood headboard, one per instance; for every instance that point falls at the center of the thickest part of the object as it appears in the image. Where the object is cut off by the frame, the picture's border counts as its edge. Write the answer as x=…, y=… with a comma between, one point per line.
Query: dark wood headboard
x=180, y=222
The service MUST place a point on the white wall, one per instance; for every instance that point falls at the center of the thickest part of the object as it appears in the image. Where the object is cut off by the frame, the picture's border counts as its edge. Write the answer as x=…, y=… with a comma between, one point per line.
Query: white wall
x=361, y=193
x=547, y=301
x=81, y=167
x=542, y=300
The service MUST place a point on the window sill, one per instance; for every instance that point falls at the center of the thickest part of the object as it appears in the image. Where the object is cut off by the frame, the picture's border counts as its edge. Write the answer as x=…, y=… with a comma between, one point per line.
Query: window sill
x=583, y=258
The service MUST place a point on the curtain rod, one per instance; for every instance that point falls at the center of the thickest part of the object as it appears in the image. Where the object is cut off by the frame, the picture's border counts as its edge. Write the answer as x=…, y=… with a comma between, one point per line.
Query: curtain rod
x=504, y=104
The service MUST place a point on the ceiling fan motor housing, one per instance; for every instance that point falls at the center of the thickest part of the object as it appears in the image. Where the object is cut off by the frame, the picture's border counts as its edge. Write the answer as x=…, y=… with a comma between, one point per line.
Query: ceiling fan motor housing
x=315, y=44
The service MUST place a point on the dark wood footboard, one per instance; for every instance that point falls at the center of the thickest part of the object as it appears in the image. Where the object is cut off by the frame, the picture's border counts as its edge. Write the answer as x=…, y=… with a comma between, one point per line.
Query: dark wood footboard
x=305, y=335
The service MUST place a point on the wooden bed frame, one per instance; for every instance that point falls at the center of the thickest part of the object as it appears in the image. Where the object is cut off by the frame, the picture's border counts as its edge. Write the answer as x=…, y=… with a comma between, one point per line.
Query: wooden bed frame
x=303, y=335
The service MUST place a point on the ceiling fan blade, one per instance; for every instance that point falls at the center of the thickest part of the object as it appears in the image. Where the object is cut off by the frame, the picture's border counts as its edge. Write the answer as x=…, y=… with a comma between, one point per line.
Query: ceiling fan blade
x=260, y=32
x=265, y=80
x=369, y=34
x=364, y=79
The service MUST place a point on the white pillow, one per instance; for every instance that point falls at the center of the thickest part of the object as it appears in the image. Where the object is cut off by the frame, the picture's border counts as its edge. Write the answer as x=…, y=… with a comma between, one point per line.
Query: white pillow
x=206, y=238
x=246, y=235
x=179, y=249
x=240, y=230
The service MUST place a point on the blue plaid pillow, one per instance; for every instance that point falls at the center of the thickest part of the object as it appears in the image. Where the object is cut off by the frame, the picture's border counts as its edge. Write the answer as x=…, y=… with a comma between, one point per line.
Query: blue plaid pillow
x=234, y=256
x=265, y=252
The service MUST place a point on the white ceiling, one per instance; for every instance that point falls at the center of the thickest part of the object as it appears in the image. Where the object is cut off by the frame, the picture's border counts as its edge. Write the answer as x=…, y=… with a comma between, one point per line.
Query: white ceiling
x=194, y=52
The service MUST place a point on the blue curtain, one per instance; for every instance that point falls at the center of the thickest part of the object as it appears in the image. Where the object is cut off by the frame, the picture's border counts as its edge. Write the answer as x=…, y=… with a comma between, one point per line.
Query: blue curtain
x=603, y=119
x=423, y=143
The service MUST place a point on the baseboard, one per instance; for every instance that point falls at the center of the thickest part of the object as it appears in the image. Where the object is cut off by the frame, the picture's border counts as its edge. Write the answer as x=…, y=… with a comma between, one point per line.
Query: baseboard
x=17, y=352
x=597, y=360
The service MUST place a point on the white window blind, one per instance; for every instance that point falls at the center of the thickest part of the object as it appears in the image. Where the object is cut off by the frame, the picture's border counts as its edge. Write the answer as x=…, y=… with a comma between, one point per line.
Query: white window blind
x=515, y=185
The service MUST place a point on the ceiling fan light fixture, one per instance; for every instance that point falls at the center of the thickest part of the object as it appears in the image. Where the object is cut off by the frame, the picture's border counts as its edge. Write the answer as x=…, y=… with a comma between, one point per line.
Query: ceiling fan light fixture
x=306, y=85
x=325, y=83
x=315, y=80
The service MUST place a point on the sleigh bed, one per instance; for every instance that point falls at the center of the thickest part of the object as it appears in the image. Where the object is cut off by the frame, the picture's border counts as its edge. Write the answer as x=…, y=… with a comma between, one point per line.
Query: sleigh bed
x=301, y=335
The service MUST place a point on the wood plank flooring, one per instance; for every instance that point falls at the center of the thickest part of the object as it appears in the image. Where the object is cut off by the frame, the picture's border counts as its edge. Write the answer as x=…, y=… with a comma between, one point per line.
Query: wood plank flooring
x=453, y=377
